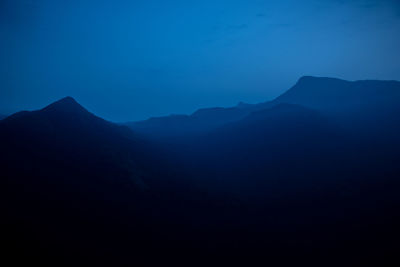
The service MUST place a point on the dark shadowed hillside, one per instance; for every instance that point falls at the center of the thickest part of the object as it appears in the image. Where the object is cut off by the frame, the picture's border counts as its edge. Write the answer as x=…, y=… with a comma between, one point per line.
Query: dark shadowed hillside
x=72, y=183
x=201, y=121
x=65, y=133
x=321, y=158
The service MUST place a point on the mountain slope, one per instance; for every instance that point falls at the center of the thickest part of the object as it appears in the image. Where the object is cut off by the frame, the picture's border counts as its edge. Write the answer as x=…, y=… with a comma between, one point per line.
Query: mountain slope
x=65, y=129
x=70, y=182
x=252, y=150
x=306, y=181
x=199, y=122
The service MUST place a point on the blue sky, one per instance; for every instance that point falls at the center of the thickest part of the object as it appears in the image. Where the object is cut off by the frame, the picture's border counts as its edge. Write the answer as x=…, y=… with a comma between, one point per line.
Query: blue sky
x=129, y=60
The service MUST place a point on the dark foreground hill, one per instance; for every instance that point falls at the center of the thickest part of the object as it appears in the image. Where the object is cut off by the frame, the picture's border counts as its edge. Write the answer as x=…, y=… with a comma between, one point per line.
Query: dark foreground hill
x=74, y=185
x=312, y=176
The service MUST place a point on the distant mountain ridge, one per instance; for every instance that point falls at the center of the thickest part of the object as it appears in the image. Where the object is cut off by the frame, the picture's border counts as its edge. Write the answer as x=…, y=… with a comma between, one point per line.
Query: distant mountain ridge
x=331, y=94
x=323, y=94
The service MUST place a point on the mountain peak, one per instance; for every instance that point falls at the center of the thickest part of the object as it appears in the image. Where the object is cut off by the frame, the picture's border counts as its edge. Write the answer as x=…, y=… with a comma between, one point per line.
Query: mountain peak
x=68, y=100
x=66, y=104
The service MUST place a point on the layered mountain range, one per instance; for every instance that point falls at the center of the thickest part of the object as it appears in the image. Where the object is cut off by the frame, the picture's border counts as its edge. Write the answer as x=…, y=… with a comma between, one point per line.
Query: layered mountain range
x=327, y=95
x=312, y=174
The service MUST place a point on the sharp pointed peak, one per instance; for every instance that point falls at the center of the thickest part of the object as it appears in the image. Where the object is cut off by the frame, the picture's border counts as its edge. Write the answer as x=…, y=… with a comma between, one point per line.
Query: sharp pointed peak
x=67, y=103
x=67, y=99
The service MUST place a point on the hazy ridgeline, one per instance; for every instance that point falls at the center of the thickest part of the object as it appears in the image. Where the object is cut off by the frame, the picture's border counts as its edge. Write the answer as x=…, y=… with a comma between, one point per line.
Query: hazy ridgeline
x=312, y=175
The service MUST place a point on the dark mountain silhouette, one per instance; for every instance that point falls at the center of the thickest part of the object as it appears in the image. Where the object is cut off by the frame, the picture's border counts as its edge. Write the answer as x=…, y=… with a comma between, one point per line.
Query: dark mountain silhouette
x=312, y=175
x=200, y=121
x=2, y=116
x=66, y=129
x=72, y=182
x=329, y=95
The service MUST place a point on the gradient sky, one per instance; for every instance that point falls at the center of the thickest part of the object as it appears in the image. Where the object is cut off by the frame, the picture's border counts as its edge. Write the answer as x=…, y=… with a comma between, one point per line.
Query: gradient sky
x=128, y=60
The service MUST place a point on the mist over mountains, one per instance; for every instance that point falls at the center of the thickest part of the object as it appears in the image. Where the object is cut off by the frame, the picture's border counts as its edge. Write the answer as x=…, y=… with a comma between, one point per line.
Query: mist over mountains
x=313, y=174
